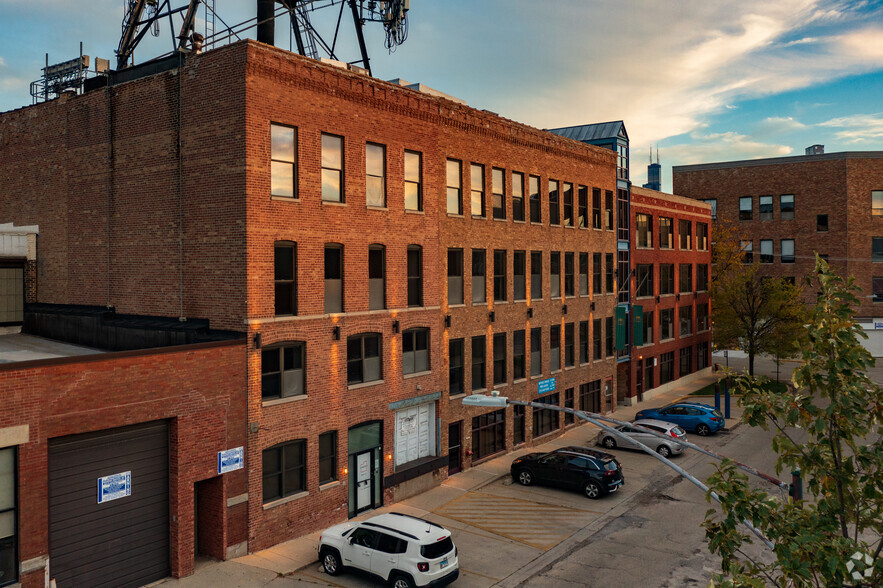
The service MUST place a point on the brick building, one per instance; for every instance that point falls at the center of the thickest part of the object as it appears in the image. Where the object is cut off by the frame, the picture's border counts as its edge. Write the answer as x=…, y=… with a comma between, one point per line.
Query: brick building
x=789, y=208
x=369, y=240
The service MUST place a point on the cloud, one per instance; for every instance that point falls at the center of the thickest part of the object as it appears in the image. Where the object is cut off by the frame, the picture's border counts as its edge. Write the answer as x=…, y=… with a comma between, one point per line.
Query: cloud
x=857, y=128
x=2, y=61
x=776, y=125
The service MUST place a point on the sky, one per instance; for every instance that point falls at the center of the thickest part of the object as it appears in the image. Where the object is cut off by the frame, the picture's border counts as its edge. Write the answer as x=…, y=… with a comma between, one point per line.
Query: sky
x=701, y=80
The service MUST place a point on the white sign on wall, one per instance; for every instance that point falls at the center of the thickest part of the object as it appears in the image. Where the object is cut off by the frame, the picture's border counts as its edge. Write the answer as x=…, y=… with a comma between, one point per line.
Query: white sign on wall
x=115, y=486
x=231, y=460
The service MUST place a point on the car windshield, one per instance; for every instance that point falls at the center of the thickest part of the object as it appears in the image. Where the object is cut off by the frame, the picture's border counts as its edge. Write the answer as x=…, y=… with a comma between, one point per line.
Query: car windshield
x=437, y=549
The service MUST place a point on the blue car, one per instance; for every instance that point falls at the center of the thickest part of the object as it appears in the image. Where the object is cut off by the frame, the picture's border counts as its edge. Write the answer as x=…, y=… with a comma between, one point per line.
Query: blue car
x=703, y=419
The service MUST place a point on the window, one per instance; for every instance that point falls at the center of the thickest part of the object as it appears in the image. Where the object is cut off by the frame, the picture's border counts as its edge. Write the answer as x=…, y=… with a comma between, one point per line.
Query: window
x=583, y=207
x=413, y=180
x=363, y=358
x=877, y=249
x=454, y=181
x=455, y=367
x=701, y=277
x=643, y=280
x=822, y=221
x=535, y=209
x=282, y=371
x=499, y=358
x=569, y=283
x=284, y=470
x=479, y=381
x=747, y=251
x=477, y=193
x=500, y=294
x=554, y=348
x=686, y=365
x=488, y=434
x=519, y=269
x=332, y=168
x=644, y=231
x=567, y=189
x=544, y=420
x=518, y=355
x=702, y=355
x=622, y=161
x=608, y=271
x=568, y=403
x=517, y=196
x=455, y=276
x=284, y=276
x=376, y=277
x=415, y=275
x=648, y=373
x=283, y=161
x=555, y=274
x=536, y=351
x=569, y=351
x=608, y=332
x=536, y=275
x=702, y=317
x=622, y=276
x=666, y=278
x=766, y=251
x=876, y=202
x=765, y=208
x=877, y=288
x=685, y=278
x=596, y=339
x=608, y=209
x=518, y=424
x=666, y=367
x=622, y=215
x=415, y=351
x=685, y=320
x=787, y=246
x=375, y=175
x=666, y=234
x=554, y=213
x=685, y=230
x=702, y=236
x=786, y=206
x=584, y=342
x=8, y=501
x=713, y=203
x=479, y=286
x=590, y=396
x=666, y=324
x=647, y=327
x=596, y=208
x=327, y=457
x=596, y=273
x=498, y=193
x=333, y=277
x=745, y=206
x=583, y=274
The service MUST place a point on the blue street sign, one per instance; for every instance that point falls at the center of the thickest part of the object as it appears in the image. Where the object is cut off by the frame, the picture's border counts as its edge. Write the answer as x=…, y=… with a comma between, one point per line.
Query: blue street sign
x=230, y=460
x=115, y=486
x=546, y=385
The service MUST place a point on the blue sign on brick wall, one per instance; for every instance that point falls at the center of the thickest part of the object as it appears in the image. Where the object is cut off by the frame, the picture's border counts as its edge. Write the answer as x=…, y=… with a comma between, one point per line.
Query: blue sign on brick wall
x=230, y=460
x=546, y=385
x=115, y=486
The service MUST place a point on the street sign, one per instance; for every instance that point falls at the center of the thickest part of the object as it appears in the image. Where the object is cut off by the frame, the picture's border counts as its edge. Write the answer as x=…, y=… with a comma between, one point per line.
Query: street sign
x=115, y=486
x=546, y=385
x=231, y=460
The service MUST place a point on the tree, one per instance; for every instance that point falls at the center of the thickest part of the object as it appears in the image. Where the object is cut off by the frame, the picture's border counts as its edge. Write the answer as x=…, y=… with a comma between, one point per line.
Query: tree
x=755, y=313
x=830, y=429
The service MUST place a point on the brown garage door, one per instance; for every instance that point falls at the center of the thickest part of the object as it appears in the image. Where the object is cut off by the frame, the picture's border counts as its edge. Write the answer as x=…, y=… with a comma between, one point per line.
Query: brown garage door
x=122, y=541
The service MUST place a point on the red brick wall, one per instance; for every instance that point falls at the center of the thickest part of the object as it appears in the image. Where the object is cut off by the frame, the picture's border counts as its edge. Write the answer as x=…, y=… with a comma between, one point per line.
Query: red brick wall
x=199, y=388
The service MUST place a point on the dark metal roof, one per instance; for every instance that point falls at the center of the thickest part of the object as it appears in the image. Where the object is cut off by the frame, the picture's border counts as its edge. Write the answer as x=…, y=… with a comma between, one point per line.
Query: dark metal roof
x=593, y=132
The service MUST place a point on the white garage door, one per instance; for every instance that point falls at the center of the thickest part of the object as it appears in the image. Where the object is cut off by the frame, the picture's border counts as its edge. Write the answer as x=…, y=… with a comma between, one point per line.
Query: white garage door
x=415, y=432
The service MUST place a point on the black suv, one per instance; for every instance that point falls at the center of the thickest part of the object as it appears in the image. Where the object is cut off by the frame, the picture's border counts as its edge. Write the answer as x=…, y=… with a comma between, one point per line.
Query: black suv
x=593, y=472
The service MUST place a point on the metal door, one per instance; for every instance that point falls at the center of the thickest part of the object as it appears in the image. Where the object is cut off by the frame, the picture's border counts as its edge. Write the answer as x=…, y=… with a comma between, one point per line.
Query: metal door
x=455, y=440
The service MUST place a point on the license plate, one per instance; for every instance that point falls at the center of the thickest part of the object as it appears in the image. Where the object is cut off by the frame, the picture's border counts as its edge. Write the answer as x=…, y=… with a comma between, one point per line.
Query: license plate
x=444, y=563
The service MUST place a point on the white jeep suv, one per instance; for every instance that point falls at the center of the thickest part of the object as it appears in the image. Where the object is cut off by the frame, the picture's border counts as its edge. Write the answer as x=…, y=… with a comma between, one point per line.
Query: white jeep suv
x=400, y=549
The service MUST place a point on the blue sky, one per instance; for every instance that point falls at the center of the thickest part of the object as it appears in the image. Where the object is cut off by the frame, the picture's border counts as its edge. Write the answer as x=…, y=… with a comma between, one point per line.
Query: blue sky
x=704, y=80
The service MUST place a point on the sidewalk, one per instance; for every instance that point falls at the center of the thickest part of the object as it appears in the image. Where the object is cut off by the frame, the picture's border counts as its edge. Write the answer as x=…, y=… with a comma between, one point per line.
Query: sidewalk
x=291, y=556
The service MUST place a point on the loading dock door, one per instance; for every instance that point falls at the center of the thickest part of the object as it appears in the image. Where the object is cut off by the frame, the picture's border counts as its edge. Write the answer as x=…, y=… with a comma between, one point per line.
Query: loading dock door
x=124, y=540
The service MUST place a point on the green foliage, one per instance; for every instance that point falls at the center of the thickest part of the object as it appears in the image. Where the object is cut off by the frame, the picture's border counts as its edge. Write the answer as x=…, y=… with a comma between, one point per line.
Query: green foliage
x=830, y=429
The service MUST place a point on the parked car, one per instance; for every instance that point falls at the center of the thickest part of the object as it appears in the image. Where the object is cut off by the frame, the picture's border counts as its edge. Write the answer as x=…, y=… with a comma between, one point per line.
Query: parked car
x=663, y=447
x=703, y=419
x=593, y=472
x=400, y=549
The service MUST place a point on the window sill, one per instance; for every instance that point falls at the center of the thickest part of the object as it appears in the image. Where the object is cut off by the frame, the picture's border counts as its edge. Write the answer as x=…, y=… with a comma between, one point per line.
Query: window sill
x=518, y=222
x=458, y=396
x=286, y=500
x=517, y=300
x=479, y=217
x=499, y=302
x=553, y=372
x=478, y=390
x=285, y=198
x=569, y=227
x=365, y=384
x=329, y=485
x=538, y=224
x=455, y=215
x=458, y=305
x=375, y=207
x=278, y=401
x=501, y=220
x=520, y=380
x=332, y=203
x=555, y=225
x=417, y=212
x=503, y=385
x=416, y=374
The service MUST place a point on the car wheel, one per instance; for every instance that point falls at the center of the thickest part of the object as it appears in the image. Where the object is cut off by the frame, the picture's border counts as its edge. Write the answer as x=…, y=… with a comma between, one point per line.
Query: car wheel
x=664, y=451
x=609, y=443
x=702, y=430
x=331, y=562
x=525, y=478
x=592, y=490
x=402, y=581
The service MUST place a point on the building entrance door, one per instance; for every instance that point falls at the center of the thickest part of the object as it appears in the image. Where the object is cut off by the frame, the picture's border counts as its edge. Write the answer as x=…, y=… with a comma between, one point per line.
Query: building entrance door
x=455, y=441
x=364, y=479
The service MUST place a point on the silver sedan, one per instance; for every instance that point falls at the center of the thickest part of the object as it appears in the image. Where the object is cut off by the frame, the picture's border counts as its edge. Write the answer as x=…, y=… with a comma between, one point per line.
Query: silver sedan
x=663, y=448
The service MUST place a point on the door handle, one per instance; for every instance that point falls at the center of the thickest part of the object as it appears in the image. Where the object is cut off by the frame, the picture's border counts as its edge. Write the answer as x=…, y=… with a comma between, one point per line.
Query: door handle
x=391, y=560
